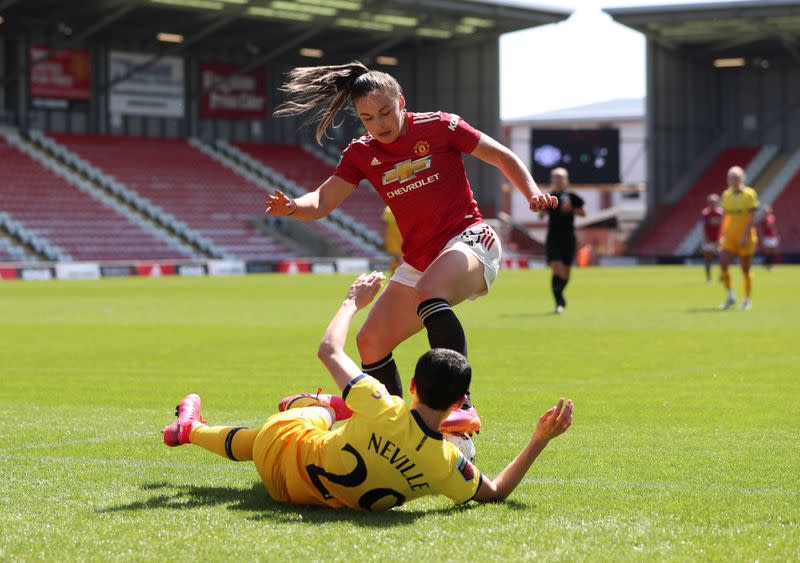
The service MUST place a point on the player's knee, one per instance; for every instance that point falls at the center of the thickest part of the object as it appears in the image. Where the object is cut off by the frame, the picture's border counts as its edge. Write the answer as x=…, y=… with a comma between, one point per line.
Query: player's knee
x=425, y=290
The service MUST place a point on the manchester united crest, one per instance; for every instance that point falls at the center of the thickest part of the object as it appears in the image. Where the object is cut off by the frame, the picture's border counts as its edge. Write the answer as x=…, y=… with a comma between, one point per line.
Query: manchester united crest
x=421, y=148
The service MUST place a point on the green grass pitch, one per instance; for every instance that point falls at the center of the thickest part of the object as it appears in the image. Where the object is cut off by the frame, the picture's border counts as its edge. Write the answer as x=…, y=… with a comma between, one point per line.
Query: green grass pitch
x=685, y=445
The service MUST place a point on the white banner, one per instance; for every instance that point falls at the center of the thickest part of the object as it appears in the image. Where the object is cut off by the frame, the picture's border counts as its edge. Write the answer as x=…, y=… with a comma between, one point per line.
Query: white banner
x=352, y=265
x=191, y=270
x=78, y=271
x=226, y=268
x=323, y=268
x=157, y=90
x=36, y=274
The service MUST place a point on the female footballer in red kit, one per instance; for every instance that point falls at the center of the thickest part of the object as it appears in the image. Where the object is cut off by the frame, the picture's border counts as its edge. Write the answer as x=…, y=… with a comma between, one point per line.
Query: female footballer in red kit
x=414, y=161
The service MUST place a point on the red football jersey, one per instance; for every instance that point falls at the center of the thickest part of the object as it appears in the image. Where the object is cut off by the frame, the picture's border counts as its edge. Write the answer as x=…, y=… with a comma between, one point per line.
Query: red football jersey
x=421, y=177
x=769, y=226
x=712, y=221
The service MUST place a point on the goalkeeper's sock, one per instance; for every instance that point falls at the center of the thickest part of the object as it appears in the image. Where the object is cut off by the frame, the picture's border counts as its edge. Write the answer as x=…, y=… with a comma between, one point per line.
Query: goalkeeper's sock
x=748, y=284
x=232, y=442
x=385, y=370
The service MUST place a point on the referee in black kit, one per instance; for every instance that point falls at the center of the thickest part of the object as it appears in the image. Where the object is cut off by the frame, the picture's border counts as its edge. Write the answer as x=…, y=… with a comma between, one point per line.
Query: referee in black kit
x=560, y=245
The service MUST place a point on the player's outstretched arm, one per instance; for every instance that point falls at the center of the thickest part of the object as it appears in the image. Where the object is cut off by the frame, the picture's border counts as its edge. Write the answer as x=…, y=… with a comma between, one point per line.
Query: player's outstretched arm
x=551, y=424
x=504, y=159
x=313, y=205
x=331, y=349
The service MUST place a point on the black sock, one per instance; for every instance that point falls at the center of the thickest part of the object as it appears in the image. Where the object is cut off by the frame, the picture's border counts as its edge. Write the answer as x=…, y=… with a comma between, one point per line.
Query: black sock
x=708, y=271
x=444, y=328
x=768, y=260
x=386, y=372
x=558, y=284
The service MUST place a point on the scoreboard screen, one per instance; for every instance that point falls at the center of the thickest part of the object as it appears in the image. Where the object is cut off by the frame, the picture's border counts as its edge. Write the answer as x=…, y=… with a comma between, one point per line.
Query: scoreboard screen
x=591, y=156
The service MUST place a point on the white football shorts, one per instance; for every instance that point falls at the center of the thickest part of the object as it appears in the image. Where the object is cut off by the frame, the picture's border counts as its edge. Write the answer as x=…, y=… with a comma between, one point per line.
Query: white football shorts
x=480, y=240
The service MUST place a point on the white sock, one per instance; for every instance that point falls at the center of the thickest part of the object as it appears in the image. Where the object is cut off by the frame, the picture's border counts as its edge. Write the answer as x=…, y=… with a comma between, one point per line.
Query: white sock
x=730, y=294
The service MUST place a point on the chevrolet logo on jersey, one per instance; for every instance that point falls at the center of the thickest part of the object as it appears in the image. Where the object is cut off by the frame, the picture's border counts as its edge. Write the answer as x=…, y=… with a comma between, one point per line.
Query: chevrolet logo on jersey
x=406, y=170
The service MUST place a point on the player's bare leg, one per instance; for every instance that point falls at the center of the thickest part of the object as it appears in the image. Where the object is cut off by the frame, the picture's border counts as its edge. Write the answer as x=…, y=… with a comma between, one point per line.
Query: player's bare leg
x=725, y=259
x=391, y=320
x=745, y=263
x=454, y=276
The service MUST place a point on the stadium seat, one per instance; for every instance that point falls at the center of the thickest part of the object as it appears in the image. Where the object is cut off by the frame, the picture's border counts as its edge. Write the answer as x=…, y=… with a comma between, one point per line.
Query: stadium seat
x=187, y=184
x=364, y=205
x=671, y=225
x=787, y=210
x=70, y=218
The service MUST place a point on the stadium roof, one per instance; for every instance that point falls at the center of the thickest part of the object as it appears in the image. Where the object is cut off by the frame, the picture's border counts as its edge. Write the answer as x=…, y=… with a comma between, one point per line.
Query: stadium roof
x=263, y=26
x=749, y=27
x=621, y=109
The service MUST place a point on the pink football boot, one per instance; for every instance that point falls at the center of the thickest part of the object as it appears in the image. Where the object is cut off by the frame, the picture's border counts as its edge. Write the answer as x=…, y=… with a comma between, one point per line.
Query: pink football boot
x=462, y=421
x=188, y=413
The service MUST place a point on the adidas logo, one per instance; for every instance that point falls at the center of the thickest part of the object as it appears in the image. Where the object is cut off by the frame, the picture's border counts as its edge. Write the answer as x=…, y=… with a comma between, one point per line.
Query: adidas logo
x=375, y=161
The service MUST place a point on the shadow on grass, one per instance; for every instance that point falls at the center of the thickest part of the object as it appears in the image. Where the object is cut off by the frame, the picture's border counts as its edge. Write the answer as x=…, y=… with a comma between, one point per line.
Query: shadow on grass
x=256, y=500
x=704, y=310
x=528, y=315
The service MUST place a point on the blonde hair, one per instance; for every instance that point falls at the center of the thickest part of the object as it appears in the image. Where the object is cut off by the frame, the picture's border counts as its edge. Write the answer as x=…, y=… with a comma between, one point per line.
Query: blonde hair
x=327, y=89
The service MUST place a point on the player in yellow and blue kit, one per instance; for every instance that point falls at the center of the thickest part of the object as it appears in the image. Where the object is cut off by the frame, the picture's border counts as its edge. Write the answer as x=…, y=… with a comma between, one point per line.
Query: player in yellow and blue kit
x=738, y=235
x=386, y=454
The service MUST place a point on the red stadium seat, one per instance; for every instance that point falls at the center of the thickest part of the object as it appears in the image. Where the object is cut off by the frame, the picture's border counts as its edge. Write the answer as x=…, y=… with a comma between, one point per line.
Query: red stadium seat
x=787, y=211
x=82, y=226
x=194, y=188
x=364, y=205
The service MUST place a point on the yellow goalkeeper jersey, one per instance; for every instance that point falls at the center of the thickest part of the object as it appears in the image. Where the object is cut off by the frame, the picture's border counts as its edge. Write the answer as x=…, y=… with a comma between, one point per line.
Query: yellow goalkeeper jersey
x=736, y=206
x=382, y=457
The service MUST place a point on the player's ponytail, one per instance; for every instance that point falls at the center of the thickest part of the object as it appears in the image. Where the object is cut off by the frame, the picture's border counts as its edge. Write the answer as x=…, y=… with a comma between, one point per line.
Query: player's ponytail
x=327, y=89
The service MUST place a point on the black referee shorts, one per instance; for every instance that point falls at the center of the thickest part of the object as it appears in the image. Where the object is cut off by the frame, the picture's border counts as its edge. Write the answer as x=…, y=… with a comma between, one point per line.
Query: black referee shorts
x=561, y=250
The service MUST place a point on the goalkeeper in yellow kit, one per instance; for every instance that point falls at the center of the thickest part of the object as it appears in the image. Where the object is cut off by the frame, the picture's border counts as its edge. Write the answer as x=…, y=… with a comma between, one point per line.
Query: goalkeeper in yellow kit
x=738, y=236
x=386, y=454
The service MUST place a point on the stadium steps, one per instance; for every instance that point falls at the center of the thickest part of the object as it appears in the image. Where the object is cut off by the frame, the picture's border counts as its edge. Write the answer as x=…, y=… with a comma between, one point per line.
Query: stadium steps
x=336, y=234
x=185, y=242
x=193, y=191
x=306, y=168
x=12, y=251
x=770, y=173
x=763, y=164
x=783, y=193
x=41, y=247
x=67, y=211
x=668, y=232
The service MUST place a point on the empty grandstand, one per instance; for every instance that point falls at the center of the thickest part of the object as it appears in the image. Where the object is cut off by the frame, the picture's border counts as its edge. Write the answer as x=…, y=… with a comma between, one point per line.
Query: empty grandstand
x=144, y=105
